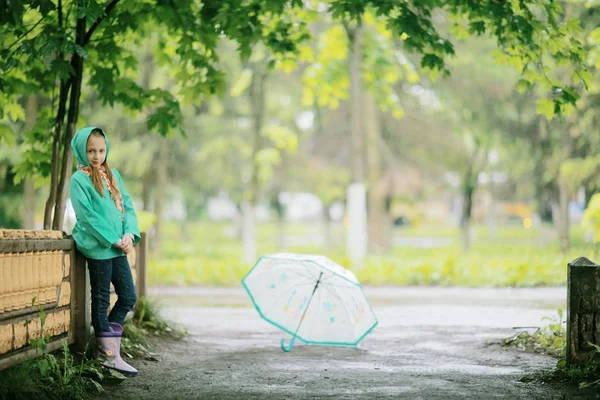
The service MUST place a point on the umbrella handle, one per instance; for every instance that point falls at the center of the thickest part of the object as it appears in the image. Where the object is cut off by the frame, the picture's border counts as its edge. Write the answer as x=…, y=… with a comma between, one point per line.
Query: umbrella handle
x=288, y=347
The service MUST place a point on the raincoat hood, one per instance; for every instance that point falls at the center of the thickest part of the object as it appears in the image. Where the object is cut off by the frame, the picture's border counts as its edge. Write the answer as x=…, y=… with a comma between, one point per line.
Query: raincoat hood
x=79, y=144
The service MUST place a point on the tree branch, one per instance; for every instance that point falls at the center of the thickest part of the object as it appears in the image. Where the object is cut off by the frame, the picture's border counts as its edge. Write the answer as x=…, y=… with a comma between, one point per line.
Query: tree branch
x=103, y=38
x=60, y=14
x=97, y=22
x=174, y=7
x=349, y=30
x=25, y=34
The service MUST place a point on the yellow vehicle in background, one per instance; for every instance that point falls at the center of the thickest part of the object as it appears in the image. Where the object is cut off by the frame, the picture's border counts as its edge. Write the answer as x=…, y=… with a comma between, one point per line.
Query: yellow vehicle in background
x=519, y=212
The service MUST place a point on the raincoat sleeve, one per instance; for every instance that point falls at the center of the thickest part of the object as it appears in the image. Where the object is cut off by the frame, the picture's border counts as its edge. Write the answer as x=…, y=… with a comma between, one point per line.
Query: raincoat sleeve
x=94, y=223
x=130, y=224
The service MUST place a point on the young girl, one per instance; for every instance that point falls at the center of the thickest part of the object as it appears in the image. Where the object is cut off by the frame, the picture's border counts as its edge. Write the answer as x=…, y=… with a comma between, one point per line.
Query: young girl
x=106, y=230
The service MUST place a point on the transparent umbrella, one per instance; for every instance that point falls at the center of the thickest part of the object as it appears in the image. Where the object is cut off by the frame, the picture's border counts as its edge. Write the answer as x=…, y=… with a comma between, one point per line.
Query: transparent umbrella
x=311, y=298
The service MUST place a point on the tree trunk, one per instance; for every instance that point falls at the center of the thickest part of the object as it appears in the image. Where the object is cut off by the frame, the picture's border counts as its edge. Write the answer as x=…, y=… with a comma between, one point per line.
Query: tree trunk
x=29, y=192
x=563, y=232
x=159, y=200
x=147, y=189
x=238, y=221
x=492, y=220
x=327, y=242
x=67, y=160
x=257, y=104
x=248, y=233
x=564, y=193
x=148, y=176
x=376, y=202
x=281, y=242
x=356, y=234
x=541, y=190
x=65, y=85
x=356, y=117
x=59, y=185
x=388, y=226
x=469, y=186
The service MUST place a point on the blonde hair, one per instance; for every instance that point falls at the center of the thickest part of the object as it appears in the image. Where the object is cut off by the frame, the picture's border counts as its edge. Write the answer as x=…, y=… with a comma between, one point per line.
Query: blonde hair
x=96, y=176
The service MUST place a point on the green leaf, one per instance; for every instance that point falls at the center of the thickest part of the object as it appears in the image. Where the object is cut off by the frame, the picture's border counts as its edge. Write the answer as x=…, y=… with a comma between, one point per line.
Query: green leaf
x=242, y=83
x=459, y=31
x=42, y=315
x=585, y=77
x=14, y=111
x=523, y=85
x=434, y=74
x=116, y=374
x=500, y=57
x=569, y=95
x=7, y=135
x=43, y=367
x=98, y=386
x=477, y=27
x=282, y=137
x=574, y=25
x=545, y=107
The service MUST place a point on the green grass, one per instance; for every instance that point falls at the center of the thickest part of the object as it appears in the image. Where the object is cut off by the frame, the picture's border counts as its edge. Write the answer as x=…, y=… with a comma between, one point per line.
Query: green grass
x=549, y=339
x=147, y=321
x=212, y=253
x=58, y=375
x=62, y=375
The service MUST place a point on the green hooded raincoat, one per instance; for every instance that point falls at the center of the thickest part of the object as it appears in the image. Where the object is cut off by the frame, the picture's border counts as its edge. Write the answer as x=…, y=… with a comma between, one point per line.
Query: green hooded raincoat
x=99, y=222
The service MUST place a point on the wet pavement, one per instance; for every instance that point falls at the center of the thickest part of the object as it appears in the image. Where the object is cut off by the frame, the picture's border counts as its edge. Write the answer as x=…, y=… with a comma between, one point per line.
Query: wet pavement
x=431, y=343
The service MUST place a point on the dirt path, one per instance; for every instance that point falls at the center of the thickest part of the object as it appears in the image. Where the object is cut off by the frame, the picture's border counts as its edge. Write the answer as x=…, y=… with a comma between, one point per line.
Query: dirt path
x=429, y=344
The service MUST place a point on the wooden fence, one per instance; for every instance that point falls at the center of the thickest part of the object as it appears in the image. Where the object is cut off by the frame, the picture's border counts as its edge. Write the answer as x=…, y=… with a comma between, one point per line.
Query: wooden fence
x=43, y=270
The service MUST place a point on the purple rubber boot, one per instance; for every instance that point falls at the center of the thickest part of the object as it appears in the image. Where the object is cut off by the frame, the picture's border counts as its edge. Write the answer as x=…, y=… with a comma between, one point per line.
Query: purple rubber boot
x=109, y=350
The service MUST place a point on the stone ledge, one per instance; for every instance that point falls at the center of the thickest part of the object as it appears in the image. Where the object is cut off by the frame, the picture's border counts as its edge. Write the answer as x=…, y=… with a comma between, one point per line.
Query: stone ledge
x=13, y=234
x=25, y=245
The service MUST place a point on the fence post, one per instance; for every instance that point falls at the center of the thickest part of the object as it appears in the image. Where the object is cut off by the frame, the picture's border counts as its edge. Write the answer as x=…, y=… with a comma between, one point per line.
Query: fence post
x=583, y=305
x=142, y=262
x=80, y=301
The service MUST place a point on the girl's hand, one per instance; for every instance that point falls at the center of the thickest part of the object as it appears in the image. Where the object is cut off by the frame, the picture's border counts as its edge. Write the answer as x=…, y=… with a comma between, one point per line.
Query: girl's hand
x=126, y=244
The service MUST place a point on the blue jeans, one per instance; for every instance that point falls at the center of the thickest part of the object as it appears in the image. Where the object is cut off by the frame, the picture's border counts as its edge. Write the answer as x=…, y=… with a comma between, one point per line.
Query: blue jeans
x=102, y=273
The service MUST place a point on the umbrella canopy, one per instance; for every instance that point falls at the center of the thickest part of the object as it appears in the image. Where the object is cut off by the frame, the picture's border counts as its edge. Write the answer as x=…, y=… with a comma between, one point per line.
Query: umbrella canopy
x=310, y=297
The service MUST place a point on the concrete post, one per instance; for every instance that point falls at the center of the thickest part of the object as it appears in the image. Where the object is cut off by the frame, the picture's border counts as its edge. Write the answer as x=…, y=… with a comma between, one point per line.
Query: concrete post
x=583, y=307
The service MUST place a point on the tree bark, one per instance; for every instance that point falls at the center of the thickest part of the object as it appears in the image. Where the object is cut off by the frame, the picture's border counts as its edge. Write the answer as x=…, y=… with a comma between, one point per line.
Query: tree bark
x=148, y=176
x=65, y=86
x=29, y=192
x=542, y=190
x=257, y=102
x=356, y=233
x=59, y=185
x=67, y=159
x=564, y=195
x=492, y=220
x=147, y=189
x=327, y=242
x=248, y=233
x=281, y=242
x=161, y=182
x=356, y=120
x=469, y=186
x=376, y=201
x=388, y=226
x=564, y=217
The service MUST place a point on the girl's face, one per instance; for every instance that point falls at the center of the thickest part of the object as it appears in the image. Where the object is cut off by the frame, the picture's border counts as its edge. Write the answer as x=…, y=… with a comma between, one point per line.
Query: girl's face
x=96, y=150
